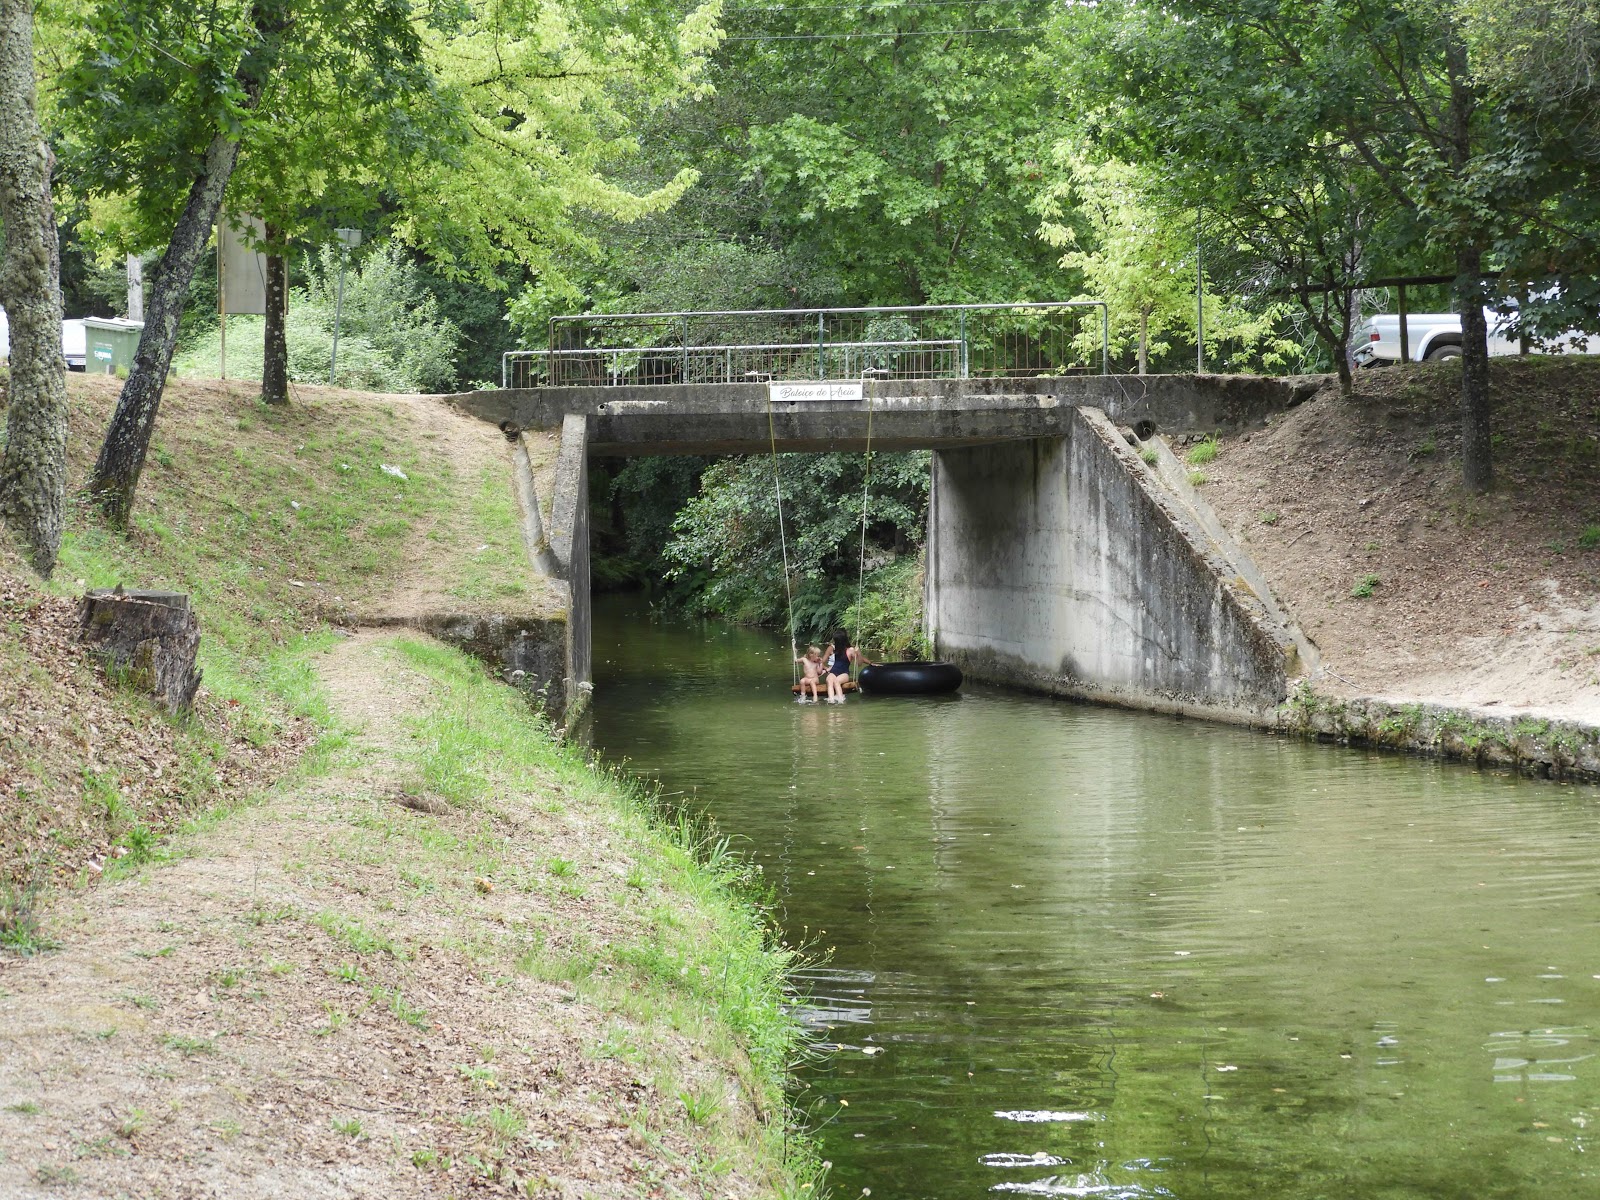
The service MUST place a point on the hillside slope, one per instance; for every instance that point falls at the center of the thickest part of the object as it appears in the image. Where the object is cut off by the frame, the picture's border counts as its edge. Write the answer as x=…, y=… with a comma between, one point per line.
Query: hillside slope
x=1490, y=601
x=360, y=925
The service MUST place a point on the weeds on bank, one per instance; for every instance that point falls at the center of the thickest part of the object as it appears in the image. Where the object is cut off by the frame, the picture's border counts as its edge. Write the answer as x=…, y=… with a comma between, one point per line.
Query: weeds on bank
x=20, y=928
x=1365, y=586
x=1204, y=452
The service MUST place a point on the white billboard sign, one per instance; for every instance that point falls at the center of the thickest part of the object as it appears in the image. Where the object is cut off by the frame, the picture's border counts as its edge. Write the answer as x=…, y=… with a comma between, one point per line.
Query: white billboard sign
x=243, y=269
x=798, y=392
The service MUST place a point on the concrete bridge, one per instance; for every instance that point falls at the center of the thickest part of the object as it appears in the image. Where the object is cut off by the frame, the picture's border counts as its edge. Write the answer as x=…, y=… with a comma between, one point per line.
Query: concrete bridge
x=1066, y=552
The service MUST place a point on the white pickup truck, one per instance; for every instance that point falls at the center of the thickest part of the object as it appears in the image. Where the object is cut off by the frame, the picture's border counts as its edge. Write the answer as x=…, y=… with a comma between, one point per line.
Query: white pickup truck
x=1435, y=336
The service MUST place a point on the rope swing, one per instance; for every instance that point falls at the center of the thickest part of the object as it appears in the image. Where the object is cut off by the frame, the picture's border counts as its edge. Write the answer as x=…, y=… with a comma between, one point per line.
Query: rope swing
x=783, y=537
x=783, y=542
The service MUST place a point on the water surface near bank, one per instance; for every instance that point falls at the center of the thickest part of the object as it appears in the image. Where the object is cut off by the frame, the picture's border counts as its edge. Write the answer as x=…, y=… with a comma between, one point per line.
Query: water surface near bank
x=1074, y=951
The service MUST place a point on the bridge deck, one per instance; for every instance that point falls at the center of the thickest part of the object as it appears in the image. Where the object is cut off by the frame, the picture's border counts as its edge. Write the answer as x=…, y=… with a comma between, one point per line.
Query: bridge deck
x=733, y=418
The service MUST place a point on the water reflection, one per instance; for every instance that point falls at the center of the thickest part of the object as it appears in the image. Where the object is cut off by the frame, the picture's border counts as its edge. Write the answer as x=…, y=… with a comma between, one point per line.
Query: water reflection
x=1098, y=953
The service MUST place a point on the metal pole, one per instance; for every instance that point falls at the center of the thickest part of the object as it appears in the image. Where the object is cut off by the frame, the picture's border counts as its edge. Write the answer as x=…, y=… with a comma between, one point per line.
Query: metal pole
x=1199, y=300
x=966, y=357
x=1405, y=331
x=821, y=371
x=686, y=348
x=1105, y=340
x=338, y=312
x=222, y=311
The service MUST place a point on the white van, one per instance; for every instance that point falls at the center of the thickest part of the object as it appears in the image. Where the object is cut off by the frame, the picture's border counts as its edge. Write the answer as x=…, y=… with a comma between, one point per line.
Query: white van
x=74, y=345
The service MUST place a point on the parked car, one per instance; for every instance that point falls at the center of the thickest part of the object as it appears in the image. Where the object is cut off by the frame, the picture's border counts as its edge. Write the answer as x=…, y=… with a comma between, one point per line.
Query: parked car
x=74, y=344
x=1436, y=336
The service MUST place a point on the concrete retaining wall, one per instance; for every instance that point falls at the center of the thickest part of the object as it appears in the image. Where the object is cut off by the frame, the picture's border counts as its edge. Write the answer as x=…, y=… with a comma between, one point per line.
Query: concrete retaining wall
x=569, y=539
x=1058, y=565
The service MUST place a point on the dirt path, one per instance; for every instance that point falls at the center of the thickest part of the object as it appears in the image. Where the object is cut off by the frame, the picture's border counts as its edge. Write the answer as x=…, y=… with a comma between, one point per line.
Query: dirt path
x=330, y=994
x=469, y=558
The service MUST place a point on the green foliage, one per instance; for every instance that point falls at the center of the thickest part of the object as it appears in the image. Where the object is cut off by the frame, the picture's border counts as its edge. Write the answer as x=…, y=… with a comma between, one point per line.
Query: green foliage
x=537, y=125
x=1365, y=586
x=20, y=920
x=1589, y=539
x=392, y=336
x=149, y=84
x=726, y=543
x=888, y=617
x=1136, y=252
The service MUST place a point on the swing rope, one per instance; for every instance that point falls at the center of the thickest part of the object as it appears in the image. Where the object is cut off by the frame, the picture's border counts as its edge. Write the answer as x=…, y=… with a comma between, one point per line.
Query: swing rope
x=866, y=487
x=783, y=543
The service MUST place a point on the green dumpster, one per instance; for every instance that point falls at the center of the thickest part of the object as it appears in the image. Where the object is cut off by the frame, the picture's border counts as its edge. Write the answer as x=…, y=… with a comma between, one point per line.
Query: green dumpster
x=110, y=343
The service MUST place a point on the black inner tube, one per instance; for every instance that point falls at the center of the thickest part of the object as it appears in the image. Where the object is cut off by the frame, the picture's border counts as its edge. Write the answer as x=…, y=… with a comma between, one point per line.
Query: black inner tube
x=910, y=678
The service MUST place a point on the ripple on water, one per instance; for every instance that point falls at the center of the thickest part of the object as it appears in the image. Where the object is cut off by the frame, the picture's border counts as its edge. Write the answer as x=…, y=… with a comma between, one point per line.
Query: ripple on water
x=1035, y=1116
x=1037, y=1159
x=1080, y=1185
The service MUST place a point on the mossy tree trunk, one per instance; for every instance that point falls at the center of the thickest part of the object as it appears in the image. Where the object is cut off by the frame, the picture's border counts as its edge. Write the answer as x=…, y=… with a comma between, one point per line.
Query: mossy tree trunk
x=33, y=472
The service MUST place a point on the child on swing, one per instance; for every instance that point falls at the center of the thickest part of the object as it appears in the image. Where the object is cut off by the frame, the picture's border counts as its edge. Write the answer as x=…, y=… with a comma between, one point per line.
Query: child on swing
x=811, y=673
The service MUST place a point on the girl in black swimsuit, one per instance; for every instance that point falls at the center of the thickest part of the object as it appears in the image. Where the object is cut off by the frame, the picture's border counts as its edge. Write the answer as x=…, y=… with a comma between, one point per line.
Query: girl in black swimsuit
x=844, y=654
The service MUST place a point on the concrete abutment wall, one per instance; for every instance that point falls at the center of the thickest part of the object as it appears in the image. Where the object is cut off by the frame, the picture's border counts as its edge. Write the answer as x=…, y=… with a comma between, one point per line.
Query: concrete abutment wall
x=1060, y=565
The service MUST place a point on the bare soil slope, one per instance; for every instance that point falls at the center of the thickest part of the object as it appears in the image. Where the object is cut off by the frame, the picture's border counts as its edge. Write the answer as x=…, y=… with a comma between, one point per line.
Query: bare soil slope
x=1482, y=601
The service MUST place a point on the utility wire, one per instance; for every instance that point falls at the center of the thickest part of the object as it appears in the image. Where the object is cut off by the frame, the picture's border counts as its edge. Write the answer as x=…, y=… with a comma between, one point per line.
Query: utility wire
x=869, y=10
x=893, y=33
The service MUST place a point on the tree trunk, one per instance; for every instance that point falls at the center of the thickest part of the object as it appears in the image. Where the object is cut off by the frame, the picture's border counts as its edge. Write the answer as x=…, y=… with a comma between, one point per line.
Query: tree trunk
x=1144, y=342
x=275, y=362
x=1477, y=451
x=116, y=472
x=33, y=473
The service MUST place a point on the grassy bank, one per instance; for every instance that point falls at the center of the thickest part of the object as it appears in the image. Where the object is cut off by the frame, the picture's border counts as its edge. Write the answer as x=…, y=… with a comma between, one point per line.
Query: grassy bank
x=463, y=855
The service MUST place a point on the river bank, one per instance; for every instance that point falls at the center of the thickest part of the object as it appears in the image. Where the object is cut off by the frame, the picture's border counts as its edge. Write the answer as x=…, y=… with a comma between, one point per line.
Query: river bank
x=361, y=925
x=1447, y=624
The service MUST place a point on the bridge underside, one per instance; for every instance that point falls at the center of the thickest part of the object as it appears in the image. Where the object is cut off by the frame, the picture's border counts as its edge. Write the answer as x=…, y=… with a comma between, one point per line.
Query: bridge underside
x=1058, y=557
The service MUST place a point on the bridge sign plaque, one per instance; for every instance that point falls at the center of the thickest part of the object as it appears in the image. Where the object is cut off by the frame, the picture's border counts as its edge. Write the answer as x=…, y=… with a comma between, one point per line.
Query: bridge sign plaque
x=789, y=393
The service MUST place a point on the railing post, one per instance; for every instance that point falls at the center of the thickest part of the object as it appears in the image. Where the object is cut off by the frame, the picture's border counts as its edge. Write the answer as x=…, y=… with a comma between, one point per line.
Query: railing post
x=963, y=358
x=1105, y=340
x=685, y=348
x=821, y=327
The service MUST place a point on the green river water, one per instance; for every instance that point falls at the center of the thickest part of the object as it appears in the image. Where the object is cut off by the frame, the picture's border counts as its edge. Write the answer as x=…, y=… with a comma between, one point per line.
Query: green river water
x=1072, y=951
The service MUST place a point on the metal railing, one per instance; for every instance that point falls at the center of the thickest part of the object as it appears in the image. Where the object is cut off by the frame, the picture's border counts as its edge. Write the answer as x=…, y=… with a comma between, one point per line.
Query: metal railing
x=948, y=341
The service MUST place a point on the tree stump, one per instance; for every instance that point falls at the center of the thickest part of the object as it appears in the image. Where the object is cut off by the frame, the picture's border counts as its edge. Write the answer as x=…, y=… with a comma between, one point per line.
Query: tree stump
x=147, y=639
